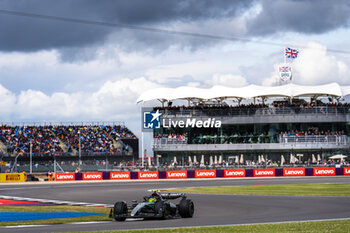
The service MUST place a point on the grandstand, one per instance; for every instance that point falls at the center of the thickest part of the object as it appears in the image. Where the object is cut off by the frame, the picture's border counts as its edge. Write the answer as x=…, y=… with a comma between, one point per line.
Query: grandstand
x=290, y=124
x=89, y=146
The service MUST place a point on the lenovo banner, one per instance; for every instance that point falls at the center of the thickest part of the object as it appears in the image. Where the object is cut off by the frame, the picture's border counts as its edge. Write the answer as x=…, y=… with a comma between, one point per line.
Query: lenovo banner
x=176, y=174
x=205, y=174
x=264, y=172
x=148, y=175
x=324, y=171
x=64, y=176
x=346, y=171
x=234, y=173
x=92, y=176
x=293, y=171
x=119, y=175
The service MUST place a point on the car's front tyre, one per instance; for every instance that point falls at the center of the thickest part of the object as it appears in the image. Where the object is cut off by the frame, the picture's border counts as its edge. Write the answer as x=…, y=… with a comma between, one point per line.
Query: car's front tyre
x=161, y=209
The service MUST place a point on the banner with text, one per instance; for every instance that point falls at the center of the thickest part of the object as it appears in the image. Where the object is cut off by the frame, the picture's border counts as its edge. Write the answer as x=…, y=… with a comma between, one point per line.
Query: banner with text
x=64, y=176
x=92, y=176
x=264, y=172
x=12, y=177
x=234, y=173
x=293, y=171
x=148, y=175
x=176, y=174
x=205, y=174
x=324, y=171
x=119, y=176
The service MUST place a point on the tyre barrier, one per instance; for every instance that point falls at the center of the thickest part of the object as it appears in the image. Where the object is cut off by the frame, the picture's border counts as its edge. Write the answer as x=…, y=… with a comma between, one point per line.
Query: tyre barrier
x=198, y=174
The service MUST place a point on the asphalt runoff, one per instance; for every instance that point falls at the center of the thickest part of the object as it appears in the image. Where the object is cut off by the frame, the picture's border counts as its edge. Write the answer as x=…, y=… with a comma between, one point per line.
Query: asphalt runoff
x=209, y=209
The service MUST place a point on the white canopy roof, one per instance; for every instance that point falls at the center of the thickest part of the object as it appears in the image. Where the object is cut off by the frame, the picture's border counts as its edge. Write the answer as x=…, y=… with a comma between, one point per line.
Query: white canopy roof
x=247, y=92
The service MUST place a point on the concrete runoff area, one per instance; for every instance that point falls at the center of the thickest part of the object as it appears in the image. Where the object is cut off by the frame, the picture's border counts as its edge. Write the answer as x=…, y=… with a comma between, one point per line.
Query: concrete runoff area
x=209, y=209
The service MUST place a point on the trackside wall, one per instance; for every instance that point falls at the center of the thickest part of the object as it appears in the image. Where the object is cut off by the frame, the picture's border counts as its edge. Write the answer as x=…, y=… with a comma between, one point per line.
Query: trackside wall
x=211, y=173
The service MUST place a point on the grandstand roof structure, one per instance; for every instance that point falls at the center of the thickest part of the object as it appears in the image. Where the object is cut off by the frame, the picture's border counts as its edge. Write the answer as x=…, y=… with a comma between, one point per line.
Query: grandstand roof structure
x=247, y=92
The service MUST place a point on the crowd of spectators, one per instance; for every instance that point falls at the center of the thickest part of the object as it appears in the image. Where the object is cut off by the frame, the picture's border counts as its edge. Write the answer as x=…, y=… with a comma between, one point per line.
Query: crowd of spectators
x=61, y=138
x=312, y=132
x=310, y=135
x=277, y=107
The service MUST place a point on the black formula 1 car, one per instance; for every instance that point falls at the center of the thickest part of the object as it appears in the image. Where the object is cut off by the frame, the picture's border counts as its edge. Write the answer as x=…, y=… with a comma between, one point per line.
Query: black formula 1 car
x=155, y=206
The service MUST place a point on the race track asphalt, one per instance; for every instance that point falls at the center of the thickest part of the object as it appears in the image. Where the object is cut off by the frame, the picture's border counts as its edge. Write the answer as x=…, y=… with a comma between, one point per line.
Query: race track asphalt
x=209, y=209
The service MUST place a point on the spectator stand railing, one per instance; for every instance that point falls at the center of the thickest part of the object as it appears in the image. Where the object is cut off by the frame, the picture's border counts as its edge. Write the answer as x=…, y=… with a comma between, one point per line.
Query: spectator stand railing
x=307, y=139
x=254, y=111
x=316, y=139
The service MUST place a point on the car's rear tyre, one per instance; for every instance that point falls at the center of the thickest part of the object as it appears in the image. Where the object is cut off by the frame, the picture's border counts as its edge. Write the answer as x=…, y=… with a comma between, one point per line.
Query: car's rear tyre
x=120, y=208
x=161, y=209
x=186, y=208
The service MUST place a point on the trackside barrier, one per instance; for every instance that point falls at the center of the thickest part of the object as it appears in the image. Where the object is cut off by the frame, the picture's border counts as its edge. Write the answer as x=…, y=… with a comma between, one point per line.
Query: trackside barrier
x=264, y=172
x=64, y=176
x=234, y=173
x=119, y=175
x=183, y=174
x=309, y=171
x=346, y=171
x=92, y=176
x=293, y=171
x=205, y=174
x=148, y=175
x=324, y=171
x=12, y=177
x=176, y=174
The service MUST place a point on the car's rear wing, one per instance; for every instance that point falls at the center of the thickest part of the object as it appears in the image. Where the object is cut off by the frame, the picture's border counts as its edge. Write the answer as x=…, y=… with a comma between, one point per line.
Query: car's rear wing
x=172, y=195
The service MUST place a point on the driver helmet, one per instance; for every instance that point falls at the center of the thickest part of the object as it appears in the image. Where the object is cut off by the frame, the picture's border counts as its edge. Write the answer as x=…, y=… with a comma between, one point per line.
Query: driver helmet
x=155, y=193
x=152, y=200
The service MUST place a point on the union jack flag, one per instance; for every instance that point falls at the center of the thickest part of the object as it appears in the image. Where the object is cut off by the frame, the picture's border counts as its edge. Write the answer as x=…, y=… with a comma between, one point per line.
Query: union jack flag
x=285, y=69
x=291, y=53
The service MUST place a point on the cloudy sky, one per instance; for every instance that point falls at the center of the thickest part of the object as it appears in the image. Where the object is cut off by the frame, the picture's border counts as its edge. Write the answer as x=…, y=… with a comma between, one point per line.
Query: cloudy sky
x=52, y=70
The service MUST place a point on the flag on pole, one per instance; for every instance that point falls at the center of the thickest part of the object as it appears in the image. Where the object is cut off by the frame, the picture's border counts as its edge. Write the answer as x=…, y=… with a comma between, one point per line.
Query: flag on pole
x=291, y=53
x=285, y=73
x=285, y=69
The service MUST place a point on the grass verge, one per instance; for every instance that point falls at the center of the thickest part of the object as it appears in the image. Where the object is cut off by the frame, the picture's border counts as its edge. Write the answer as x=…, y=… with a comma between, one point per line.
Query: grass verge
x=56, y=209
x=319, y=226
x=289, y=189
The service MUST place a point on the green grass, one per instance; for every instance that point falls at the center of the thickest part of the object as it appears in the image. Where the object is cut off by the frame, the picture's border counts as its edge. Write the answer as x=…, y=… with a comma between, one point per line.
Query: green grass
x=56, y=209
x=319, y=226
x=289, y=189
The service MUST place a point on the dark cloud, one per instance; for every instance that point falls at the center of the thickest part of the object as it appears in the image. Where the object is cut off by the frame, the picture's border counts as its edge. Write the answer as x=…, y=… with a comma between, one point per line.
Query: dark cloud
x=20, y=33
x=304, y=16
x=80, y=41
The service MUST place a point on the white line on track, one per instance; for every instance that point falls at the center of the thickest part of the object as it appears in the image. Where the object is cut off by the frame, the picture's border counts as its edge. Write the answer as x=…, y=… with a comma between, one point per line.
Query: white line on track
x=82, y=223
x=24, y=226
